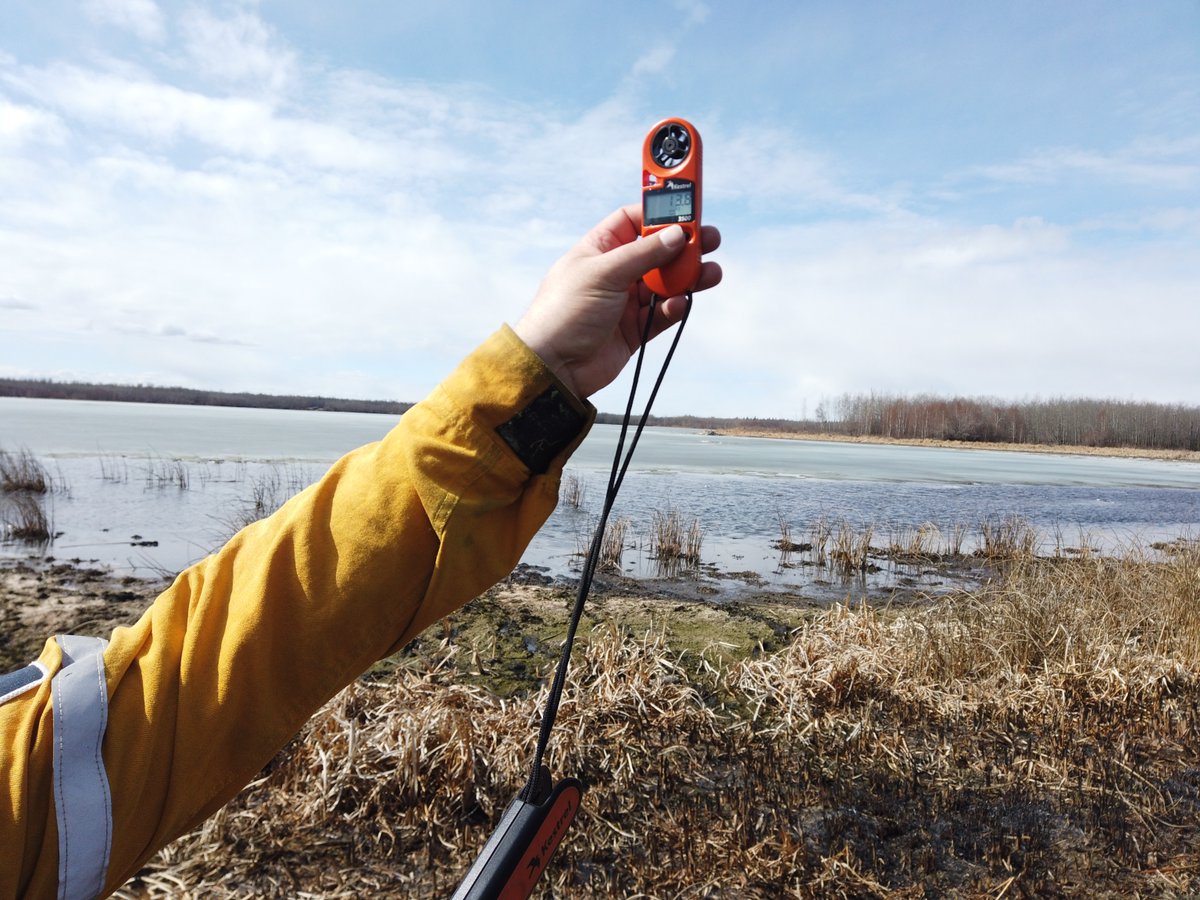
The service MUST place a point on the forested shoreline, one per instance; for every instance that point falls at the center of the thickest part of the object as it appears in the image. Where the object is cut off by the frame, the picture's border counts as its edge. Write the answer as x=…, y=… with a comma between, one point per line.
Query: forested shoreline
x=143, y=393
x=1055, y=422
x=1058, y=422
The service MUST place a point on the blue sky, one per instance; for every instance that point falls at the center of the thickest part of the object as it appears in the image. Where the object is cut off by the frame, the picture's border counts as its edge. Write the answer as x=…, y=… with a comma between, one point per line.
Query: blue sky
x=342, y=199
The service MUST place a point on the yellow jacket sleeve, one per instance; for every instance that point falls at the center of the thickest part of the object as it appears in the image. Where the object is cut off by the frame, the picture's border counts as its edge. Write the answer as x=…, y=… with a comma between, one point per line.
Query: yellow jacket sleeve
x=231, y=660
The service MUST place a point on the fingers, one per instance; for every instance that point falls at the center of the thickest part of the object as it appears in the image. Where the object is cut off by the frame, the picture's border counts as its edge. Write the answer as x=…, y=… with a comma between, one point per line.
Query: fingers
x=625, y=264
x=624, y=225
x=621, y=226
x=710, y=275
x=623, y=259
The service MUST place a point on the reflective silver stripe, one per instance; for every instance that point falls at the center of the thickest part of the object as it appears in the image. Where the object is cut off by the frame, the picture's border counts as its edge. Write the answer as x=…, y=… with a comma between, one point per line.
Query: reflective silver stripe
x=81, y=797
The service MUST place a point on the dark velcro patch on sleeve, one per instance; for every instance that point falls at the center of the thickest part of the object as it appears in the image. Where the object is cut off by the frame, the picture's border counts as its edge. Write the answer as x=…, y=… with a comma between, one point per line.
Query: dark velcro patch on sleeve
x=543, y=429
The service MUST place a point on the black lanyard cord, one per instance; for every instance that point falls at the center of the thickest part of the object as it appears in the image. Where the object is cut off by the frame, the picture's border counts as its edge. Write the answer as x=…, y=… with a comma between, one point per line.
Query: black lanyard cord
x=532, y=788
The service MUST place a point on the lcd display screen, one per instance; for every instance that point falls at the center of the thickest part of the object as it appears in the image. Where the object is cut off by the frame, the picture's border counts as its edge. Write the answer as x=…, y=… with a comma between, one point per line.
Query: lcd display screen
x=665, y=207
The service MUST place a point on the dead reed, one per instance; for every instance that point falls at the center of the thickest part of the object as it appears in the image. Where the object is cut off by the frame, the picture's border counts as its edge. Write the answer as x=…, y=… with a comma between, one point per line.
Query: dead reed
x=270, y=488
x=821, y=531
x=785, y=544
x=114, y=468
x=573, y=490
x=22, y=472
x=852, y=549
x=612, y=547
x=167, y=473
x=1007, y=539
x=672, y=540
x=24, y=518
x=1036, y=737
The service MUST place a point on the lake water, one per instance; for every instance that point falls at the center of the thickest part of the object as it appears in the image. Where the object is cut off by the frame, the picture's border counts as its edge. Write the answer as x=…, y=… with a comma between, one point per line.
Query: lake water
x=121, y=502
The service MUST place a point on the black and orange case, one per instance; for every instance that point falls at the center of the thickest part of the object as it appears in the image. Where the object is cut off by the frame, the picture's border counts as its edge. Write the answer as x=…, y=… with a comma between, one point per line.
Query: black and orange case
x=520, y=848
x=672, y=158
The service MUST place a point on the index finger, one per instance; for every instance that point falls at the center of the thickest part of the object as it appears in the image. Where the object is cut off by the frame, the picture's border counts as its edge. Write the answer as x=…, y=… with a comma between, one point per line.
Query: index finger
x=621, y=226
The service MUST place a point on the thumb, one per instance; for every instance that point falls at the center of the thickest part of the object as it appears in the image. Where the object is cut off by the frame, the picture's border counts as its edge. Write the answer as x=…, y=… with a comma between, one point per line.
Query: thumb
x=629, y=262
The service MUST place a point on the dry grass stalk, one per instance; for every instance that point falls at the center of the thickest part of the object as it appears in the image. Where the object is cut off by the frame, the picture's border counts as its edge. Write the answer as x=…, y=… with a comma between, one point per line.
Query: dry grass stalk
x=269, y=489
x=671, y=540
x=114, y=468
x=821, y=531
x=573, y=490
x=1038, y=736
x=851, y=549
x=23, y=517
x=22, y=472
x=612, y=547
x=164, y=473
x=1008, y=539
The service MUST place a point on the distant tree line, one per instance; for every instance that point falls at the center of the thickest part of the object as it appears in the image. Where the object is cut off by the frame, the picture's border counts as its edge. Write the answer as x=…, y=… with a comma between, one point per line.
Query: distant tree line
x=143, y=393
x=1056, y=422
x=1088, y=423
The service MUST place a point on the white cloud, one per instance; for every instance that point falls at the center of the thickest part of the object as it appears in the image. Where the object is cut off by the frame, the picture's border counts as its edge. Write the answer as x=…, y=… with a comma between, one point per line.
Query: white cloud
x=239, y=49
x=19, y=124
x=1154, y=164
x=654, y=61
x=145, y=109
x=798, y=178
x=141, y=17
x=695, y=11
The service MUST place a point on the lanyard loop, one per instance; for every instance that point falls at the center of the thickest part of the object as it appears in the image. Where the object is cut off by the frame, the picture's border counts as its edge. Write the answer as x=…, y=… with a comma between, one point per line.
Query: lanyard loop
x=616, y=476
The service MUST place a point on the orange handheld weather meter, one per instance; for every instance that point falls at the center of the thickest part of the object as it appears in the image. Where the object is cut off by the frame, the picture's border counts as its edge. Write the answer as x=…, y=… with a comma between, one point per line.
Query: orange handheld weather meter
x=671, y=163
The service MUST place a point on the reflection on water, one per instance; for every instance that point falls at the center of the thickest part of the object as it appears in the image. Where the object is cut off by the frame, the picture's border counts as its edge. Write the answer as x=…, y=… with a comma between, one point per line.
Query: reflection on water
x=152, y=489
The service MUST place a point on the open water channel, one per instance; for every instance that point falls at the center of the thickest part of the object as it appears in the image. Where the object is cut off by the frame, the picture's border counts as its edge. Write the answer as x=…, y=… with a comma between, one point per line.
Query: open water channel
x=120, y=500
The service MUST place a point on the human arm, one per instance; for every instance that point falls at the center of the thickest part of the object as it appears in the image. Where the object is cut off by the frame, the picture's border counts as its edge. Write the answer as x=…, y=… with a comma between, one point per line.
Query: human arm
x=230, y=661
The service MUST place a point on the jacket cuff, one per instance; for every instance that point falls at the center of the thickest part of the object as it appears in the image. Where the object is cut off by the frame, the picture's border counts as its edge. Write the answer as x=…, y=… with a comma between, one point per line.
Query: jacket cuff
x=531, y=412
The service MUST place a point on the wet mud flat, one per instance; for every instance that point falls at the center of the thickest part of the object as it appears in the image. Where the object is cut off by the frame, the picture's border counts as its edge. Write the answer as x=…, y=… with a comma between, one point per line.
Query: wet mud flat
x=40, y=598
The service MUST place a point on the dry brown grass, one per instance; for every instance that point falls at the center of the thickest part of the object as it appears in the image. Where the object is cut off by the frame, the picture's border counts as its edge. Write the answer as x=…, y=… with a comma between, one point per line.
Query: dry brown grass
x=674, y=541
x=573, y=490
x=612, y=547
x=24, y=518
x=1036, y=737
x=22, y=472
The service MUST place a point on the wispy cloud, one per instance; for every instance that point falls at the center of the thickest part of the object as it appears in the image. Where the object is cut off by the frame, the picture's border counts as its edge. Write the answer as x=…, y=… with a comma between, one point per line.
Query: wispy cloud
x=141, y=17
x=21, y=123
x=695, y=12
x=1160, y=164
x=239, y=49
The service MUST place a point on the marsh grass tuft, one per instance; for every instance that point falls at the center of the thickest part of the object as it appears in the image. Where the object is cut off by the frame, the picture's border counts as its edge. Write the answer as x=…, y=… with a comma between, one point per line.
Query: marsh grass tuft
x=671, y=540
x=612, y=547
x=573, y=491
x=114, y=468
x=22, y=472
x=852, y=549
x=785, y=544
x=820, y=531
x=270, y=487
x=1012, y=538
x=24, y=518
x=167, y=473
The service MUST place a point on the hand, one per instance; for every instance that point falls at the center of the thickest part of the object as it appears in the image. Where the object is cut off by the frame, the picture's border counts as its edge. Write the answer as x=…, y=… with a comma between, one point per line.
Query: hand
x=587, y=317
